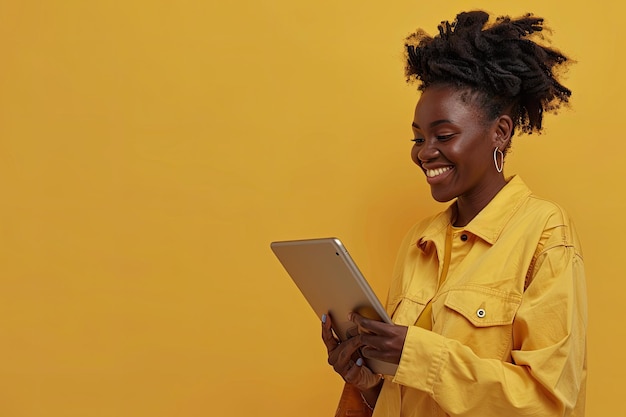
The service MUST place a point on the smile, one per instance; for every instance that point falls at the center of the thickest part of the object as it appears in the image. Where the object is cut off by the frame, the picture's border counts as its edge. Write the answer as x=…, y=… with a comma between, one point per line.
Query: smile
x=431, y=173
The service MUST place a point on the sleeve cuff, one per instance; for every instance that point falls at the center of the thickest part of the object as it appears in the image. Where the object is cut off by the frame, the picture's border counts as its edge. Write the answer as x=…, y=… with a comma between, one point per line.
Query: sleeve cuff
x=423, y=356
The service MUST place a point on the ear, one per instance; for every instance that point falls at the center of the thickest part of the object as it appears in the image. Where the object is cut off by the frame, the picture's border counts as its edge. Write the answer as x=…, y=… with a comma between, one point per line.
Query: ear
x=503, y=129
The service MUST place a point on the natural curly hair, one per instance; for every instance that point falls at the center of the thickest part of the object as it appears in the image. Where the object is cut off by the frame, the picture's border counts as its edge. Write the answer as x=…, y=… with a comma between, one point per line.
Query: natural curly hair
x=500, y=63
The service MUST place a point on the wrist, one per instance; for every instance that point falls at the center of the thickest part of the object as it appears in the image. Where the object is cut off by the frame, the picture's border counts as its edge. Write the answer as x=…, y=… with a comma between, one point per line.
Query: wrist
x=370, y=395
x=373, y=383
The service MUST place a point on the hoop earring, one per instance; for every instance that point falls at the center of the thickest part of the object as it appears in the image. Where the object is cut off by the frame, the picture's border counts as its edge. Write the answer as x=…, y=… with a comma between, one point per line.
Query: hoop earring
x=495, y=159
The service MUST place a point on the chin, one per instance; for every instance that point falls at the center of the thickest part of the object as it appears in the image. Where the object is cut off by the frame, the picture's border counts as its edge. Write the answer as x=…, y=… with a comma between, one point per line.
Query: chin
x=441, y=197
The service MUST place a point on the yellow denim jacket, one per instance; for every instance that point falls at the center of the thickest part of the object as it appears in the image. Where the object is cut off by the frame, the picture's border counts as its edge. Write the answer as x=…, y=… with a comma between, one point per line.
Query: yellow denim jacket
x=508, y=323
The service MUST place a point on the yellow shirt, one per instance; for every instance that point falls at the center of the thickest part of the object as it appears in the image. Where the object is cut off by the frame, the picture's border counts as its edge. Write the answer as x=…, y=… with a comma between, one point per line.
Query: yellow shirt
x=508, y=323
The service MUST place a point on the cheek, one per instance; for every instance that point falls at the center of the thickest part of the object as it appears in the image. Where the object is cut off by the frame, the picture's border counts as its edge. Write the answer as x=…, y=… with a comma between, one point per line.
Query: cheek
x=474, y=151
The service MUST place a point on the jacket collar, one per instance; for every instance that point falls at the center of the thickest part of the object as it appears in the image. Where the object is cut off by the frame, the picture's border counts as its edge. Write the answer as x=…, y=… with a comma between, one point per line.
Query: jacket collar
x=490, y=221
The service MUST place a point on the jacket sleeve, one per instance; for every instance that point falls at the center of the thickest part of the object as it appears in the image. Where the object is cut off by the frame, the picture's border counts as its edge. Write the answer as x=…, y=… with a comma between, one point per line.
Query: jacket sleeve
x=548, y=366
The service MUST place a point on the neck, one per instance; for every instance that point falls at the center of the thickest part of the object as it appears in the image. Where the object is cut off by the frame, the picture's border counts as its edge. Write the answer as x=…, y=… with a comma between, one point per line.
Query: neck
x=468, y=206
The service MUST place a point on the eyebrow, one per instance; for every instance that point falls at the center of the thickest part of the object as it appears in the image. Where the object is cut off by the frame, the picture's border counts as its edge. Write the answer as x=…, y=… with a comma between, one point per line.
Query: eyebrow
x=433, y=124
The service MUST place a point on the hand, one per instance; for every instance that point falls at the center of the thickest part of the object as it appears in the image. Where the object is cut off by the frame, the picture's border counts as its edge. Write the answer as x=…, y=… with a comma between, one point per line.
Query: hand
x=345, y=359
x=380, y=340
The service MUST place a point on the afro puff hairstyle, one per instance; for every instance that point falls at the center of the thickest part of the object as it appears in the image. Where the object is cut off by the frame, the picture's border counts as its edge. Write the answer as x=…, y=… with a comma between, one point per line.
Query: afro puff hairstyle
x=500, y=62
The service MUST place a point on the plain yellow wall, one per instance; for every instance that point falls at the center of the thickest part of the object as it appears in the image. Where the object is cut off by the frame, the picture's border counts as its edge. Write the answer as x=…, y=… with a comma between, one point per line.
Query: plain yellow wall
x=151, y=150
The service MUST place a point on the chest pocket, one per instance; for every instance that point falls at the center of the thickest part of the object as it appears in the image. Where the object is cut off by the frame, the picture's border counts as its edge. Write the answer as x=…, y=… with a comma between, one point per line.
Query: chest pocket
x=405, y=311
x=479, y=317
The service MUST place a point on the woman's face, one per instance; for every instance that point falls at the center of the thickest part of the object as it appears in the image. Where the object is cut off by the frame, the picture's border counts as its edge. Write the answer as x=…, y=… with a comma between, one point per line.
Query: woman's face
x=454, y=146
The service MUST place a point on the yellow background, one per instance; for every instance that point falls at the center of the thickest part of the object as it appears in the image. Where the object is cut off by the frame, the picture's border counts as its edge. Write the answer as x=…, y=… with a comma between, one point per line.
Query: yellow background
x=151, y=150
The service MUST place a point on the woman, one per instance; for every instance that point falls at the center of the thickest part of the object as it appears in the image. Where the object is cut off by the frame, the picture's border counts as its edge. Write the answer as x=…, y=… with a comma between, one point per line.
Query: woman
x=488, y=298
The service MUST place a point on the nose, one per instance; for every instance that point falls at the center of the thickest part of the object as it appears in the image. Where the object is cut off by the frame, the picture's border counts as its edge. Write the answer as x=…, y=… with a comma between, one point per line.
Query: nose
x=426, y=152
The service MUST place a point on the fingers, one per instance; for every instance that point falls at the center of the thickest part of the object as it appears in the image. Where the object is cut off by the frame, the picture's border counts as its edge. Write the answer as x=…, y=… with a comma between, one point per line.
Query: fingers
x=327, y=334
x=374, y=347
x=339, y=354
x=344, y=355
x=382, y=341
x=348, y=348
x=358, y=374
x=361, y=376
x=345, y=358
x=387, y=348
x=369, y=326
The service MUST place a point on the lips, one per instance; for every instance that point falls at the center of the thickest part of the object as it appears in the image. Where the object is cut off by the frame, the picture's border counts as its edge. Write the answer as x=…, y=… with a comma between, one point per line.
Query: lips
x=432, y=173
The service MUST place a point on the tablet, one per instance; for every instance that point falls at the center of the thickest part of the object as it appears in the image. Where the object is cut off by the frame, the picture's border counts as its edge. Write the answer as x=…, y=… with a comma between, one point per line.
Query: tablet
x=332, y=284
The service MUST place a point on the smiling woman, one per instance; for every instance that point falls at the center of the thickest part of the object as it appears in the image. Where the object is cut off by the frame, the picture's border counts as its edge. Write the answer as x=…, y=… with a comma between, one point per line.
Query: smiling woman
x=487, y=293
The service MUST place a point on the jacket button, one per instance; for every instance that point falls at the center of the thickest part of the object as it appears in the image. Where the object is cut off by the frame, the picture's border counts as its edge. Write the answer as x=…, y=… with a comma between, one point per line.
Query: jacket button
x=481, y=313
x=463, y=237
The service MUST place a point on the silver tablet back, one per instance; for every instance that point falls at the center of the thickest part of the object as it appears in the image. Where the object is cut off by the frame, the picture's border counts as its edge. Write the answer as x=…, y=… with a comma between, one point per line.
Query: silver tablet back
x=332, y=284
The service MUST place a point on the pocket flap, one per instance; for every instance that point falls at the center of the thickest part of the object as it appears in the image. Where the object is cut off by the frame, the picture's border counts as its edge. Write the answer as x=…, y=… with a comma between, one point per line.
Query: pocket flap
x=483, y=306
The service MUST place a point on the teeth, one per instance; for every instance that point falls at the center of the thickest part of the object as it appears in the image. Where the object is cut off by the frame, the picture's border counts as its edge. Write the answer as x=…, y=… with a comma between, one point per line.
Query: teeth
x=434, y=172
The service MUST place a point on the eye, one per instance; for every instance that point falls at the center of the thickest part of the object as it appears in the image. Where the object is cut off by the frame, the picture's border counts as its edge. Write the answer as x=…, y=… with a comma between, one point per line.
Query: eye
x=443, y=138
x=418, y=141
